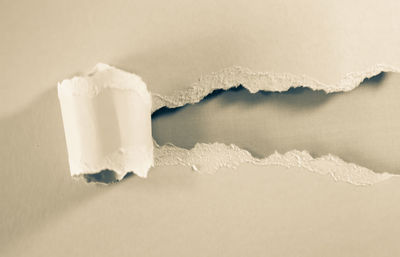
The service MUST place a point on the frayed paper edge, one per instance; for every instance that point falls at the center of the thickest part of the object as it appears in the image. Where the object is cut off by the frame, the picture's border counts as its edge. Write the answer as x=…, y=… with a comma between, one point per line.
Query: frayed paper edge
x=261, y=81
x=116, y=162
x=208, y=158
x=102, y=77
x=211, y=157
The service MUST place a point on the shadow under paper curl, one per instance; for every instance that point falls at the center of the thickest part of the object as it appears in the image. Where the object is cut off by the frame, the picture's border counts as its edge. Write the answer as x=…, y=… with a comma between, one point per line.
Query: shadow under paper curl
x=361, y=126
x=36, y=188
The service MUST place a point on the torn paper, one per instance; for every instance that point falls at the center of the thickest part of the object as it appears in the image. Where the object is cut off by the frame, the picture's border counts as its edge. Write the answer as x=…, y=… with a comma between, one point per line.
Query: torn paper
x=261, y=81
x=211, y=157
x=107, y=122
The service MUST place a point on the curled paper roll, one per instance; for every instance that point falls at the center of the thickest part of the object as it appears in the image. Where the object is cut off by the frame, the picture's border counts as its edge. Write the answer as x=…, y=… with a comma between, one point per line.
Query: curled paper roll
x=107, y=122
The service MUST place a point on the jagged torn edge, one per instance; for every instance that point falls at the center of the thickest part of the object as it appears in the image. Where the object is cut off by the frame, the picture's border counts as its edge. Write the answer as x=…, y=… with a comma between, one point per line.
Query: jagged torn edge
x=210, y=157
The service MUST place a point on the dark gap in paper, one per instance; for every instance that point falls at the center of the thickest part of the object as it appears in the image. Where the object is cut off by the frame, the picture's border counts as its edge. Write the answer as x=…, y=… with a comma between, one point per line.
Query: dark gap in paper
x=360, y=126
x=105, y=176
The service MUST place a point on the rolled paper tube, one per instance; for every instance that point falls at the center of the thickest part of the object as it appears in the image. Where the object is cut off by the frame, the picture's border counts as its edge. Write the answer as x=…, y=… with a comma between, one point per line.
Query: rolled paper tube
x=107, y=122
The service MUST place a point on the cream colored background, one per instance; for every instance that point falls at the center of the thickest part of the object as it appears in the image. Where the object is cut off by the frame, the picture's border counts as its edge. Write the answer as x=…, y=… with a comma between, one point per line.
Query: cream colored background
x=250, y=212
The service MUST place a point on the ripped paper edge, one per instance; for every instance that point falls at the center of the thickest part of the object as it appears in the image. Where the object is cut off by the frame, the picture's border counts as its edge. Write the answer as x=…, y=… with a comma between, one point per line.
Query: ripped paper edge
x=211, y=157
x=254, y=82
x=208, y=158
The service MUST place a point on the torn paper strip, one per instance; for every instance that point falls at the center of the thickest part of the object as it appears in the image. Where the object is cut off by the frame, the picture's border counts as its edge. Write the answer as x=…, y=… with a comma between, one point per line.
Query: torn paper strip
x=107, y=122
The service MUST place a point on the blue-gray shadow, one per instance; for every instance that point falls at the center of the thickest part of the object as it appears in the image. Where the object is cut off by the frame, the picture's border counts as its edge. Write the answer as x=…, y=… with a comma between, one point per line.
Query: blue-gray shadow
x=296, y=100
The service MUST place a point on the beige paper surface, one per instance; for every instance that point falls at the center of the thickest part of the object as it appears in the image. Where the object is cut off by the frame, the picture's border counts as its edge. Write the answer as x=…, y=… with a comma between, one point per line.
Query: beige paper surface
x=176, y=211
